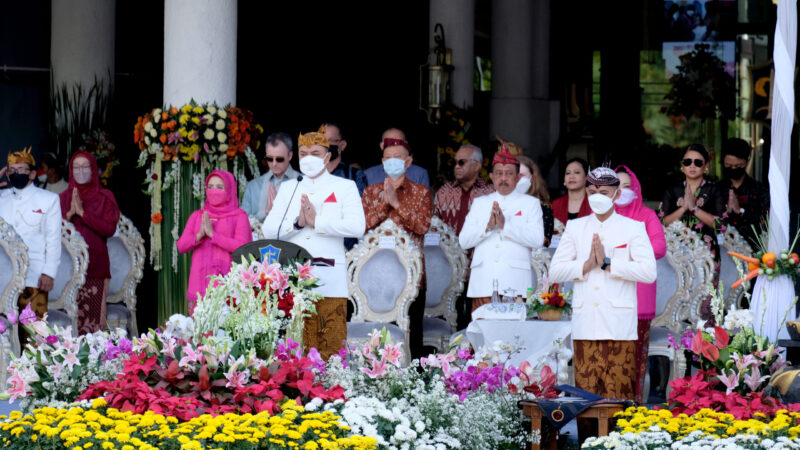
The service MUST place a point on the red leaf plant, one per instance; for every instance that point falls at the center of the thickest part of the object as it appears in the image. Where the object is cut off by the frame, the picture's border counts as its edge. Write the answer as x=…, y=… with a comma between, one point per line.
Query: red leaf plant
x=193, y=389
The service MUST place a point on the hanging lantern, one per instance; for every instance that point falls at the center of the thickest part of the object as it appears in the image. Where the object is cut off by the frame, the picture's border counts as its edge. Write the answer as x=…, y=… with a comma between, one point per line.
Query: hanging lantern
x=435, y=77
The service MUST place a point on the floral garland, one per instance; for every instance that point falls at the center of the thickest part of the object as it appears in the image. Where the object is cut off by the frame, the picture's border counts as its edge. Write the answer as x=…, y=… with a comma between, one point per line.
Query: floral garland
x=203, y=136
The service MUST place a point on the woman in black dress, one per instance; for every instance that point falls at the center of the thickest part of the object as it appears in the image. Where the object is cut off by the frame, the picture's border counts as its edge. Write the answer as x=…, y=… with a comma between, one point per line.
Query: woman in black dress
x=699, y=204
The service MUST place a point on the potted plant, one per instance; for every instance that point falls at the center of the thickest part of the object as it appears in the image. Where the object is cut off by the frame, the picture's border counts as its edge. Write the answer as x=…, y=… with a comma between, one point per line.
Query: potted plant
x=550, y=304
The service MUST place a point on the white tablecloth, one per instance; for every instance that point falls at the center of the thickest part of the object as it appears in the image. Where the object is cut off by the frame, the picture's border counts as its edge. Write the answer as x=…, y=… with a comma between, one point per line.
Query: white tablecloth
x=537, y=336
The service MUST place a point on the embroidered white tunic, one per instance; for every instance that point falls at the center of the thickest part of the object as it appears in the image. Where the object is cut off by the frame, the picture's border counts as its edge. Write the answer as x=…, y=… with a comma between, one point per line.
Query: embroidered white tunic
x=604, y=302
x=504, y=254
x=339, y=215
x=35, y=214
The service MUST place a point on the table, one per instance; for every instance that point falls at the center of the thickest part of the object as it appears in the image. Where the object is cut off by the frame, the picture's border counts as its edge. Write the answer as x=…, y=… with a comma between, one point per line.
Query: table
x=537, y=336
x=603, y=412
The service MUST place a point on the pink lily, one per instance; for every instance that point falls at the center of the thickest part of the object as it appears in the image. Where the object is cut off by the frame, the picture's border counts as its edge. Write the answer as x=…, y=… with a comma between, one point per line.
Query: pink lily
x=70, y=360
x=743, y=362
x=753, y=381
x=378, y=369
x=304, y=271
x=17, y=386
x=391, y=354
x=191, y=356
x=236, y=379
x=445, y=361
x=731, y=381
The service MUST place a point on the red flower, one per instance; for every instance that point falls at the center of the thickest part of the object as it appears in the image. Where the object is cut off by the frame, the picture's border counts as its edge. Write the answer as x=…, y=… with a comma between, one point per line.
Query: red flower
x=286, y=303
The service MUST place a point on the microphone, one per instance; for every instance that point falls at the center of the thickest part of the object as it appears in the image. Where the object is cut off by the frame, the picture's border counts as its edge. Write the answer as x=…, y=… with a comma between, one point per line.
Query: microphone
x=280, y=225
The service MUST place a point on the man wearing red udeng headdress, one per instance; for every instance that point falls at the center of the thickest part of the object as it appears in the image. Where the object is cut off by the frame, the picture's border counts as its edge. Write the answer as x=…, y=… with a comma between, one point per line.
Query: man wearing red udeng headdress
x=503, y=227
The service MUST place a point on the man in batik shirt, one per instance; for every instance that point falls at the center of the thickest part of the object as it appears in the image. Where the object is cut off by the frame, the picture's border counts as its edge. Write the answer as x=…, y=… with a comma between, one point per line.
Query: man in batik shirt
x=409, y=205
x=454, y=199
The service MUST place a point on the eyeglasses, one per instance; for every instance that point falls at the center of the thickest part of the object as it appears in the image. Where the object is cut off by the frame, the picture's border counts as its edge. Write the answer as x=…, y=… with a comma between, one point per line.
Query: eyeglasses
x=278, y=159
x=461, y=162
x=697, y=162
x=19, y=171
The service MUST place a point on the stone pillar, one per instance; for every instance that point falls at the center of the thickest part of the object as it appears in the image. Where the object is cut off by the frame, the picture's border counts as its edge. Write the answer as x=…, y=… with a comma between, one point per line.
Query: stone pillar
x=521, y=109
x=458, y=19
x=82, y=41
x=200, y=51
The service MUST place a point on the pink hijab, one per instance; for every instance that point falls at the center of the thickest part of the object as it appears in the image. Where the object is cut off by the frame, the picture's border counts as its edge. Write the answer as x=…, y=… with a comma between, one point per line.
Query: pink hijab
x=635, y=209
x=231, y=205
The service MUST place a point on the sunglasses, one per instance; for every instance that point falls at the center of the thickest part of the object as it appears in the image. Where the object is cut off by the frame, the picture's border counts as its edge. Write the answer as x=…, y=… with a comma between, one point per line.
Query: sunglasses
x=279, y=159
x=461, y=162
x=697, y=162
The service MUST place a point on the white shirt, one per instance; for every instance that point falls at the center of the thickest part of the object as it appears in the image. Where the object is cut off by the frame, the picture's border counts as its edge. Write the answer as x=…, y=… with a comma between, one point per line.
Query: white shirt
x=502, y=254
x=339, y=215
x=604, y=301
x=35, y=215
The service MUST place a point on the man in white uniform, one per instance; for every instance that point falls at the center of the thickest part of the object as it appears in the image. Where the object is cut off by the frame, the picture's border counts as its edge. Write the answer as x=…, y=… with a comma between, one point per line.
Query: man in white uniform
x=35, y=214
x=504, y=227
x=605, y=254
x=317, y=213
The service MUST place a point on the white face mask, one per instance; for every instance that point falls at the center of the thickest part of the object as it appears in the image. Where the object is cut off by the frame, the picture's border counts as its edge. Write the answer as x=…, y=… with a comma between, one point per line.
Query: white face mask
x=626, y=196
x=311, y=165
x=600, y=203
x=43, y=177
x=394, y=167
x=523, y=185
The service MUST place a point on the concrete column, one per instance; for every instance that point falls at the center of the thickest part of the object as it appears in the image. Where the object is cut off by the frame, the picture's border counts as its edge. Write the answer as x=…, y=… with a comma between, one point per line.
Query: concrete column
x=200, y=51
x=458, y=19
x=82, y=41
x=521, y=109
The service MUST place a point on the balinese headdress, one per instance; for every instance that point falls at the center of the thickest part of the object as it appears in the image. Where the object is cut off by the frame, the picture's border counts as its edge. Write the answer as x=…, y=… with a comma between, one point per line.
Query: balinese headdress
x=504, y=156
x=602, y=176
x=313, y=138
x=23, y=156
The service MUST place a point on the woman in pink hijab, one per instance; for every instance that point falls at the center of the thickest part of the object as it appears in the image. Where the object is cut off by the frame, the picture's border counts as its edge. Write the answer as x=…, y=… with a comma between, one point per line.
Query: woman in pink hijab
x=213, y=232
x=631, y=205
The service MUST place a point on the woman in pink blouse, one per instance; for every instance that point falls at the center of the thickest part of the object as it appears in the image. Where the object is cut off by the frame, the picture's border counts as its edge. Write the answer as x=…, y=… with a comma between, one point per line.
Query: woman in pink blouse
x=213, y=232
x=630, y=204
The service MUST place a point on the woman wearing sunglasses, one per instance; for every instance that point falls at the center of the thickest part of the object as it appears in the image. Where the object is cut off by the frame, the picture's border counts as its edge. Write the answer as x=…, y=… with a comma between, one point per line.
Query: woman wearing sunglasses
x=698, y=203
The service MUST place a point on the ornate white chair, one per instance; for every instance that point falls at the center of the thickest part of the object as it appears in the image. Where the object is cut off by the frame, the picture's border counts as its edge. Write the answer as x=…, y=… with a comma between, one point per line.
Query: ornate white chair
x=255, y=225
x=13, y=270
x=445, y=268
x=62, y=308
x=728, y=274
x=673, y=291
x=383, y=273
x=126, y=253
x=702, y=263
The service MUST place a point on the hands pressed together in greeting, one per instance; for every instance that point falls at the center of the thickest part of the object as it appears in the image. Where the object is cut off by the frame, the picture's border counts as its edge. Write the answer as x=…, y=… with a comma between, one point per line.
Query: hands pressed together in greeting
x=308, y=214
x=206, y=229
x=496, y=218
x=596, y=255
x=75, y=206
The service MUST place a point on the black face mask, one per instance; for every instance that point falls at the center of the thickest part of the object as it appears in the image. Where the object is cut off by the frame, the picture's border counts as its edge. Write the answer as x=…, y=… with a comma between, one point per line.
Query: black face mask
x=19, y=180
x=733, y=173
x=334, y=149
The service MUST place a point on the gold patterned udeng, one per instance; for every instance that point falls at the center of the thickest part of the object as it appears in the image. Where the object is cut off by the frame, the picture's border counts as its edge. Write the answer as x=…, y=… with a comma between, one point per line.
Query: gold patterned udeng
x=24, y=156
x=312, y=138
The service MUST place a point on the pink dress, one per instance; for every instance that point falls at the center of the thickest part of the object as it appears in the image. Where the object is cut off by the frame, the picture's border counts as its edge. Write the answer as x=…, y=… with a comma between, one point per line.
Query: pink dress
x=213, y=256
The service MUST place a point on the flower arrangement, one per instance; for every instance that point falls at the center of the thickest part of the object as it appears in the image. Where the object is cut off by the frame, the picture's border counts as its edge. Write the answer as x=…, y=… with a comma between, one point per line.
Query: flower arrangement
x=733, y=371
x=645, y=428
x=767, y=263
x=204, y=137
x=451, y=400
x=258, y=304
x=56, y=367
x=98, y=143
x=99, y=426
x=552, y=300
x=701, y=88
x=172, y=376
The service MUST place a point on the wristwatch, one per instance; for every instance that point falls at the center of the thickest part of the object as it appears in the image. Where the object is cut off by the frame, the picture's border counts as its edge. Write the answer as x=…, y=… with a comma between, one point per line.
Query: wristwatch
x=693, y=209
x=606, y=263
x=296, y=225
